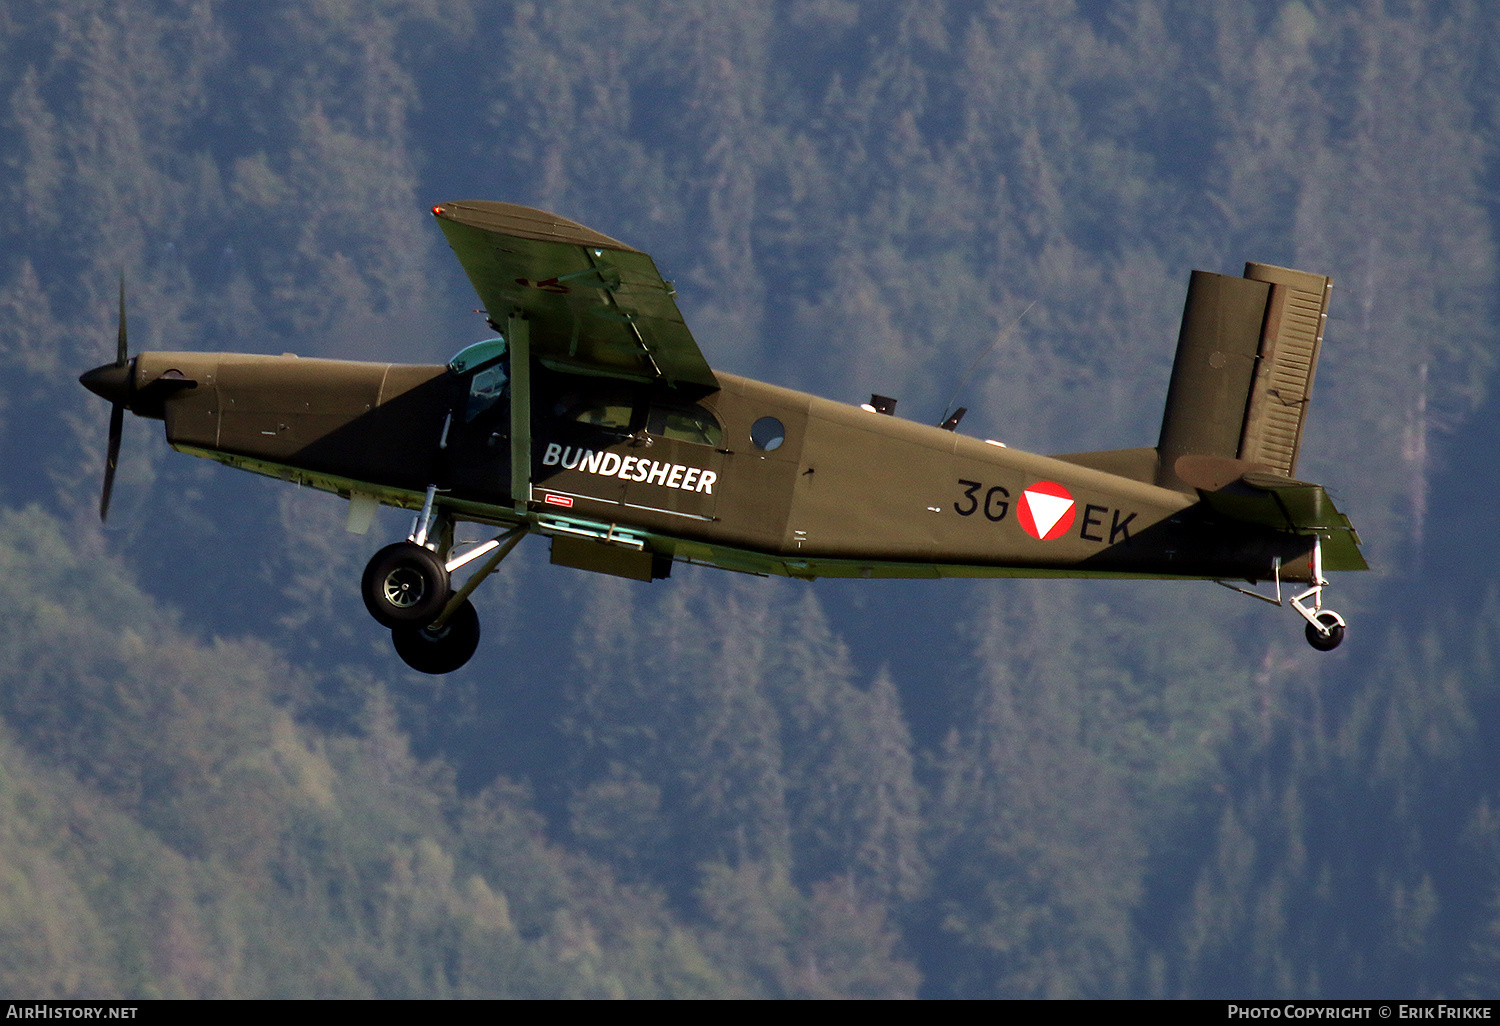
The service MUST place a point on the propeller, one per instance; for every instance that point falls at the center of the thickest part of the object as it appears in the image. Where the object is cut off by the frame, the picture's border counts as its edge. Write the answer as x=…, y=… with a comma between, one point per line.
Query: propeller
x=120, y=383
x=112, y=381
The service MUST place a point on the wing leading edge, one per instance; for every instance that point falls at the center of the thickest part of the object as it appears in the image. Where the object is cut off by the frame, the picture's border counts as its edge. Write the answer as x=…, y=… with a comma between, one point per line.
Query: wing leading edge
x=593, y=304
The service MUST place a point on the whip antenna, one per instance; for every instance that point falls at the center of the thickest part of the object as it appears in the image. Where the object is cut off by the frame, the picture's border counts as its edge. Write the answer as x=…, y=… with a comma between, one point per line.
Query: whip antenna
x=975, y=365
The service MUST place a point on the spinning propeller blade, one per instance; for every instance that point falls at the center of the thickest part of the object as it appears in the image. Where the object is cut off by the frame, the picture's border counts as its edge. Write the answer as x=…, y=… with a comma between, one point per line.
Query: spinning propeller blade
x=116, y=414
x=112, y=382
x=121, y=350
x=112, y=458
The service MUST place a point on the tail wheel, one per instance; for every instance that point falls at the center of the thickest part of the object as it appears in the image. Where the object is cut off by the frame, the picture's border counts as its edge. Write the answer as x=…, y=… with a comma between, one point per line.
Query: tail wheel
x=405, y=584
x=1330, y=641
x=443, y=650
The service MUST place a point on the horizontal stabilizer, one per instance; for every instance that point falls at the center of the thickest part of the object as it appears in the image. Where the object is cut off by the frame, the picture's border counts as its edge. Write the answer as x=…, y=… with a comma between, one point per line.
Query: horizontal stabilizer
x=1271, y=500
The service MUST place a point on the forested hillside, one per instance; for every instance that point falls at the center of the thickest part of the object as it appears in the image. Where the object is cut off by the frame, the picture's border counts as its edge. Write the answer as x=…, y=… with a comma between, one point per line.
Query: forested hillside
x=216, y=780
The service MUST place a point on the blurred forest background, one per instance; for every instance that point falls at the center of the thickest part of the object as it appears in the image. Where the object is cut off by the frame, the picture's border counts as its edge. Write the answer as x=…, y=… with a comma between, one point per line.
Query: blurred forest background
x=217, y=780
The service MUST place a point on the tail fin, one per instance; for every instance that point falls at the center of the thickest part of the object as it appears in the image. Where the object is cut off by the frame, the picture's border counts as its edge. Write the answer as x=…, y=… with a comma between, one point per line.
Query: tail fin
x=1246, y=356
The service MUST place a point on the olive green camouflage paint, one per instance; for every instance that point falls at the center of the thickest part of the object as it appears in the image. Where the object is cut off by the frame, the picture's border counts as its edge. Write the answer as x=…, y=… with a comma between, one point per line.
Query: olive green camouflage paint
x=847, y=492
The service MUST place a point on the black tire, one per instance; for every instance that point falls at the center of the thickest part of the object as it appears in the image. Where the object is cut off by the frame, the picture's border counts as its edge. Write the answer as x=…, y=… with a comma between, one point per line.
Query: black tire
x=405, y=584
x=1326, y=642
x=441, y=651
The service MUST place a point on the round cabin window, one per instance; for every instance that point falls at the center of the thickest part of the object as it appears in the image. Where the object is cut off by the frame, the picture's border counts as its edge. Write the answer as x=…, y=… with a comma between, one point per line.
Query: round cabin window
x=767, y=433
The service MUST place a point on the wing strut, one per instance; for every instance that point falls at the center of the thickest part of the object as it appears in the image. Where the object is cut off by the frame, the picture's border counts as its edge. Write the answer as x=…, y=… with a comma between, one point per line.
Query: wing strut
x=518, y=338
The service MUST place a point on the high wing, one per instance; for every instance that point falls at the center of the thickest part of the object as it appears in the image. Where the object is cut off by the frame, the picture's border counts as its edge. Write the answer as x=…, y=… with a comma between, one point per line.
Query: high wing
x=593, y=305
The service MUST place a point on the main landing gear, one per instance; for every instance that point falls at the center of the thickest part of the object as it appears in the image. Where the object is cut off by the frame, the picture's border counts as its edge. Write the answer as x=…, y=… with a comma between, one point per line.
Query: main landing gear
x=405, y=584
x=408, y=588
x=439, y=649
x=1325, y=628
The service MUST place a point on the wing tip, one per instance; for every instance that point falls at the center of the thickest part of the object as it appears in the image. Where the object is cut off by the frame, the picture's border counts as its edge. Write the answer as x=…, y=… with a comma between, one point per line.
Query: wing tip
x=526, y=223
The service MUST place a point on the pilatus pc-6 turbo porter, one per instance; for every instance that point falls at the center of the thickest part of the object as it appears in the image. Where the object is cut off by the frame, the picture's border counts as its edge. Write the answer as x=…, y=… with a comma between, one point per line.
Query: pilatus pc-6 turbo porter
x=594, y=421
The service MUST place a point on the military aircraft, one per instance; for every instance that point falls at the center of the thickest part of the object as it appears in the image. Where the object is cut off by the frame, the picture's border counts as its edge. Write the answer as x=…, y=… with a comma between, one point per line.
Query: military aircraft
x=592, y=419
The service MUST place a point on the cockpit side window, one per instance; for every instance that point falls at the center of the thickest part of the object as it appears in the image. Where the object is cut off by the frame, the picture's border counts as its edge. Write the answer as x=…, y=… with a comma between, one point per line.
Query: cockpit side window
x=486, y=389
x=685, y=424
x=615, y=416
x=615, y=410
x=488, y=368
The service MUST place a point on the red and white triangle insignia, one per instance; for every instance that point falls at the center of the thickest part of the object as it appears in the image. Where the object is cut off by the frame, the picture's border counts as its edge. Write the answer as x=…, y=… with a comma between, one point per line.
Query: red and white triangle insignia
x=1046, y=510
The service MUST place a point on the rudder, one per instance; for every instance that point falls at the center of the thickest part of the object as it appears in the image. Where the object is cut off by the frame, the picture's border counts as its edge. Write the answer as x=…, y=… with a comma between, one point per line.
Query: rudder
x=1246, y=357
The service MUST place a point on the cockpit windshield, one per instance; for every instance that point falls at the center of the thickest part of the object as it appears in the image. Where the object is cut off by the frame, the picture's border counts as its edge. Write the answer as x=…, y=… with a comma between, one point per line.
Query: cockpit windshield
x=477, y=355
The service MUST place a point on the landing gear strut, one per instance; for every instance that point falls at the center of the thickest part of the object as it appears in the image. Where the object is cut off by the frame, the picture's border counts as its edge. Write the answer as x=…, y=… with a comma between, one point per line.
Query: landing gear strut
x=1325, y=628
x=408, y=588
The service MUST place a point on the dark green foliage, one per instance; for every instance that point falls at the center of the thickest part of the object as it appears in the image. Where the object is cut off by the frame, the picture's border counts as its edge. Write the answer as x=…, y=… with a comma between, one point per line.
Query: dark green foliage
x=730, y=756
x=171, y=829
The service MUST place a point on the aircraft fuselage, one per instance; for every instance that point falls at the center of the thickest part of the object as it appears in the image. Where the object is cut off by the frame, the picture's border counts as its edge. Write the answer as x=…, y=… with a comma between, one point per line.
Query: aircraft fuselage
x=750, y=477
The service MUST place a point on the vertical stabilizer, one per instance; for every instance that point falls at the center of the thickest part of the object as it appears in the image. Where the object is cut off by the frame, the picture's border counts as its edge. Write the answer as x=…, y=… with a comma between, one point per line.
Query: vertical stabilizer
x=1246, y=356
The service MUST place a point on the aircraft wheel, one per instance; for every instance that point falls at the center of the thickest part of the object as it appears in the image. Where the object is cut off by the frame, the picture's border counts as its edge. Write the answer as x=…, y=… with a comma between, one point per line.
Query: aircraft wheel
x=405, y=584
x=441, y=651
x=1330, y=641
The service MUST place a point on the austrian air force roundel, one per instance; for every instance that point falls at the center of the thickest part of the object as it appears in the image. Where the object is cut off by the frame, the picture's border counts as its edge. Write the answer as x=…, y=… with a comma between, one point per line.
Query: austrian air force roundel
x=1046, y=510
